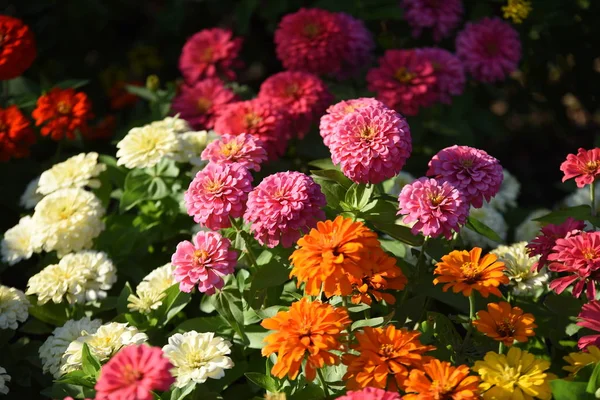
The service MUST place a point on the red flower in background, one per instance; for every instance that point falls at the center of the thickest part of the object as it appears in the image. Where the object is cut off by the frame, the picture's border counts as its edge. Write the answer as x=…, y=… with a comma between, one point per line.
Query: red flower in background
x=16, y=135
x=104, y=129
x=584, y=167
x=120, y=98
x=62, y=111
x=17, y=47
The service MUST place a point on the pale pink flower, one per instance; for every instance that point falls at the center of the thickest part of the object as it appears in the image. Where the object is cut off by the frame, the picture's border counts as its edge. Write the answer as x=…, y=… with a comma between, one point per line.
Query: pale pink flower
x=336, y=113
x=442, y=16
x=584, y=167
x=543, y=244
x=242, y=149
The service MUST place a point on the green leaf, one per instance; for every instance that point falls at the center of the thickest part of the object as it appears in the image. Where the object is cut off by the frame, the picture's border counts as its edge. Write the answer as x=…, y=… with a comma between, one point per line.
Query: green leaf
x=72, y=83
x=256, y=336
x=89, y=363
x=264, y=381
x=142, y=92
x=333, y=191
x=78, y=378
x=204, y=324
x=569, y=390
x=394, y=247
x=481, y=228
x=51, y=313
x=323, y=163
x=35, y=327
x=379, y=210
x=181, y=393
x=230, y=307
x=122, y=300
x=358, y=195
x=594, y=382
x=400, y=232
x=166, y=168
x=334, y=175
x=272, y=274
x=581, y=213
x=174, y=301
x=368, y=322
x=115, y=172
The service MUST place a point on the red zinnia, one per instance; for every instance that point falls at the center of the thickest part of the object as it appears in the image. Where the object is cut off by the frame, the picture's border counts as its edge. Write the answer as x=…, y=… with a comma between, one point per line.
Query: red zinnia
x=17, y=47
x=120, y=98
x=542, y=245
x=584, y=167
x=589, y=318
x=61, y=112
x=104, y=129
x=16, y=135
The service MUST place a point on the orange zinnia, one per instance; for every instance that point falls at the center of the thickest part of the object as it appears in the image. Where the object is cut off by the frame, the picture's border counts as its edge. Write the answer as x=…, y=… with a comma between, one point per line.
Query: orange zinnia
x=384, y=274
x=61, y=112
x=333, y=253
x=464, y=271
x=384, y=353
x=310, y=329
x=505, y=323
x=440, y=380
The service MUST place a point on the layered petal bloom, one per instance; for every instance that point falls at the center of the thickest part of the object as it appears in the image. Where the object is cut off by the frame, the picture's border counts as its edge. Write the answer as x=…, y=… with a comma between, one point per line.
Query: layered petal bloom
x=382, y=275
x=440, y=380
x=283, y=206
x=210, y=53
x=4, y=379
x=62, y=112
x=16, y=135
x=14, y=307
x=204, y=262
x=490, y=49
x=243, y=149
x=589, y=318
x=369, y=393
x=472, y=171
x=543, y=244
x=151, y=290
x=448, y=70
x=371, y=144
x=76, y=172
x=18, y=49
x=584, y=166
x=218, y=193
x=20, y=241
x=525, y=280
x=146, y=146
x=442, y=17
x=308, y=330
x=504, y=323
x=336, y=113
x=581, y=359
x=436, y=207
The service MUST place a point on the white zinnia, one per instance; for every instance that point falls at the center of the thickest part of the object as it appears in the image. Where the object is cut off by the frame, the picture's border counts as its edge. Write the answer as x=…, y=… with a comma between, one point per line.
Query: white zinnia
x=68, y=220
x=191, y=144
x=76, y=172
x=529, y=229
x=14, y=307
x=175, y=123
x=523, y=279
x=4, y=379
x=508, y=193
x=30, y=196
x=104, y=343
x=144, y=147
x=151, y=290
x=19, y=242
x=54, y=348
x=399, y=181
x=197, y=357
x=490, y=217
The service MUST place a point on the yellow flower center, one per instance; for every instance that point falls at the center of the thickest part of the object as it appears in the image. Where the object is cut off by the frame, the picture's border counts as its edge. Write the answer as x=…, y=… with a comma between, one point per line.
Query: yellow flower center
x=436, y=199
x=387, y=350
x=292, y=90
x=403, y=75
x=590, y=254
x=231, y=148
x=311, y=30
x=63, y=108
x=251, y=120
x=200, y=256
x=368, y=133
x=471, y=271
x=130, y=374
x=467, y=163
x=203, y=104
x=207, y=54
x=592, y=166
x=505, y=328
x=3, y=127
x=439, y=390
x=213, y=186
x=195, y=359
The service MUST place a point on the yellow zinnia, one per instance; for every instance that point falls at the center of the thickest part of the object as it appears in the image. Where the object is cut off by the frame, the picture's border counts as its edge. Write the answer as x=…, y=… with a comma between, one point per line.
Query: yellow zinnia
x=579, y=360
x=517, y=375
x=517, y=10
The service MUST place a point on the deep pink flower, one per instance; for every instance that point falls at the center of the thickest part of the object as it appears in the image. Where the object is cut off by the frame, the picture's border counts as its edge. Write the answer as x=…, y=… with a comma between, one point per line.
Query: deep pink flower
x=134, y=373
x=243, y=149
x=322, y=42
x=472, y=171
x=584, y=167
x=259, y=118
x=210, y=53
x=448, y=70
x=199, y=104
x=437, y=207
x=283, y=207
x=371, y=144
x=405, y=81
x=370, y=393
x=543, y=244
x=490, y=49
x=589, y=317
x=218, y=192
x=442, y=16
x=303, y=95
x=203, y=262
x=337, y=112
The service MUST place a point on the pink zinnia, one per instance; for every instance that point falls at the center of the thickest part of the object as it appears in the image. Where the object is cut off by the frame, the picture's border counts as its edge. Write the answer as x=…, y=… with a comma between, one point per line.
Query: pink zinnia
x=337, y=112
x=371, y=144
x=283, y=207
x=437, y=207
x=489, y=49
x=448, y=70
x=543, y=244
x=303, y=95
x=260, y=118
x=243, y=149
x=199, y=104
x=370, y=393
x=210, y=53
x=405, y=81
x=584, y=167
x=442, y=16
x=589, y=317
x=203, y=262
x=218, y=192
x=474, y=172
x=134, y=373
x=322, y=42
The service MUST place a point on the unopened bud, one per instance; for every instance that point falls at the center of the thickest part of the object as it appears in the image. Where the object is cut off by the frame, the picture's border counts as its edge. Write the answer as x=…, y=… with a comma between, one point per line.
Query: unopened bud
x=152, y=83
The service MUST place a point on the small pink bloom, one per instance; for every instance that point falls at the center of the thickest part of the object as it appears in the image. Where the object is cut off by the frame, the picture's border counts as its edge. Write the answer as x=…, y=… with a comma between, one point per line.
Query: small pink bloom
x=442, y=16
x=203, y=262
x=243, y=149
x=218, y=192
x=589, y=317
x=584, y=167
x=448, y=70
x=337, y=112
x=283, y=207
x=543, y=244
x=134, y=373
x=370, y=393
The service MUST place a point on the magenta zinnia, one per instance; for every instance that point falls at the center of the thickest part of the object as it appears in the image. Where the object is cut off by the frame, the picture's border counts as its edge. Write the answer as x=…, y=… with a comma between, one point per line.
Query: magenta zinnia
x=589, y=318
x=243, y=149
x=583, y=166
x=336, y=113
x=441, y=16
x=543, y=244
x=448, y=70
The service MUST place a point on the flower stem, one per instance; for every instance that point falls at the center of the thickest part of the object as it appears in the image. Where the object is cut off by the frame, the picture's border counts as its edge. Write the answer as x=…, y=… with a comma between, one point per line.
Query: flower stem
x=421, y=259
x=501, y=348
x=323, y=383
x=471, y=318
x=593, y=198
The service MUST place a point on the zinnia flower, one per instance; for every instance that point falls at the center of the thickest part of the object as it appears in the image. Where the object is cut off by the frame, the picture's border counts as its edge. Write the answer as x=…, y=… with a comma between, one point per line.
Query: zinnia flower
x=4, y=379
x=204, y=261
x=210, y=53
x=517, y=10
x=134, y=373
x=144, y=147
x=405, y=81
x=308, y=330
x=525, y=280
x=76, y=172
x=589, y=317
x=14, y=307
x=336, y=113
x=440, y=16
x=175, y=124
x=472, y=171
x=581, y=359
x=61, y=112
x=384, y=354
x=369, y=393
x=102, y=130
x=30, y=196
x=584, y=167
x=490, y=49
x=151, y=290
x=505, y=324
x=218, y=193
x=436, y=206
x=243, y=149
x=371, y=144
x=383, y=274
x=283, y=206
x=17, y=51
x=448, y=71
x=543, y=244
x=465, y=271
x=493, y=219
x=440, y=380
x=516, y=375
x=120, y=97
x=303, y=95
x=199, y=103
x=16, y=135
x=20, y=241
x=191, y=145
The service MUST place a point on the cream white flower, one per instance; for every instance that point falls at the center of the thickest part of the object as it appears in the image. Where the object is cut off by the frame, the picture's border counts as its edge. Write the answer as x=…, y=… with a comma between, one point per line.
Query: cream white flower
x=76, y=172
x=4, y=379
x=14, y=307
x=399, y=181
x=191, y=144
x=508, y=193
x=529, y=229
x=144, y=147
x=197, y=357
x=523, y=280
x=102, y=273
x=54, y=348
x=151, y=290
x=490, y=217
x=68, y=220
x=19, y=242
x=30, y=196
x=175, y=123
x=104, y=343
